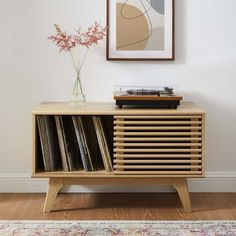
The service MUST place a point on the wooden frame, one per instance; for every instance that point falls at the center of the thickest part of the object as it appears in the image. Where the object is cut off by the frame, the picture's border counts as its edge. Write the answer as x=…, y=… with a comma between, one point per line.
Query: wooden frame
x=162, y=54
x=192, y=136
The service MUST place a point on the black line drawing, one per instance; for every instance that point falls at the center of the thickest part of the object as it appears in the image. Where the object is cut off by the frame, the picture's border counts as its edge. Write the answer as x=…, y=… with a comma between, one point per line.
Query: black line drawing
x=132, y=18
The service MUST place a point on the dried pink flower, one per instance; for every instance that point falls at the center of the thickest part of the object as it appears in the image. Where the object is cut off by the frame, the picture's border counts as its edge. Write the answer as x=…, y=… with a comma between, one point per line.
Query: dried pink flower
x=66, y=41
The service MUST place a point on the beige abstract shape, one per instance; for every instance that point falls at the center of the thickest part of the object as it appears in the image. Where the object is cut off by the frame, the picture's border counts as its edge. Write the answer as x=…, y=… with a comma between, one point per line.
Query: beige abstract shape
x=131, y=34
x=157, y=40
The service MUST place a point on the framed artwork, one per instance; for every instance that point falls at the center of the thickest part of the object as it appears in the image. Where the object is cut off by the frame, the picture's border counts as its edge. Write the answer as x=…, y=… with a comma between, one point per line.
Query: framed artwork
x=140, y=30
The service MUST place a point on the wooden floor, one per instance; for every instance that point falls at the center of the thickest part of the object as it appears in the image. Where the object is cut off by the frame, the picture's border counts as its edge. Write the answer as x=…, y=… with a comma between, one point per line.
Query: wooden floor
x=206, y=206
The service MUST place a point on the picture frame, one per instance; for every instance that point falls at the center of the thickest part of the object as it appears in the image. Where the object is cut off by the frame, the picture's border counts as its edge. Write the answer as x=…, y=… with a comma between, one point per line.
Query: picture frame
x=140, y=30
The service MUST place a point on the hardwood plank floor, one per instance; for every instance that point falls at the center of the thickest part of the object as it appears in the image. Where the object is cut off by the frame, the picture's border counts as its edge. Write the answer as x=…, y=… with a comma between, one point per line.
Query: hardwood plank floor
x=123, y=206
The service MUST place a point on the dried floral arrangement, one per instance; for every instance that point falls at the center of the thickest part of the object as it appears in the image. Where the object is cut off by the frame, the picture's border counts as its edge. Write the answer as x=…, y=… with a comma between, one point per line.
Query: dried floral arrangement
x=69, y=42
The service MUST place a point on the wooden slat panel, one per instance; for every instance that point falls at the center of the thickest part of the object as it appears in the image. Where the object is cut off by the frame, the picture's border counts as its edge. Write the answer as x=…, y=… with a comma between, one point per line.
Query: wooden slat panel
x=157, y=128
x=176, y=167
x=157, y=155
x=159, y=117
x=203, y=143
x=156, y=161
x=156, y=150
x=166, y=173
x=169, y=144
x=156, y=139
x=125, y=122
x=157, y=145
x=118, y=133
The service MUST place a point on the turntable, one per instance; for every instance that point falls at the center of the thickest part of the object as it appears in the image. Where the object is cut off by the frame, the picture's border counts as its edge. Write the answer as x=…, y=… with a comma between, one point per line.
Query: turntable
x=147, y=97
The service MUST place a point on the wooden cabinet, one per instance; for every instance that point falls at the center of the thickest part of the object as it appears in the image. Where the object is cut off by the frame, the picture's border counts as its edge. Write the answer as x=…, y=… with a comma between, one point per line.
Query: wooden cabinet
x=149, y=146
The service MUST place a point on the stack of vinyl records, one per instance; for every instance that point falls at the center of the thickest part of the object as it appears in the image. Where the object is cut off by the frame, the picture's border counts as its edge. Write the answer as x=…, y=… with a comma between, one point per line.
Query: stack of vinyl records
x=72, y=143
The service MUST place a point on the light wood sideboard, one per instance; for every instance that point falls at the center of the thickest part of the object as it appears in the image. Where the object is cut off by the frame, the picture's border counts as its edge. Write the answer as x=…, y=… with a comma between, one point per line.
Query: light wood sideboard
x=148, y=146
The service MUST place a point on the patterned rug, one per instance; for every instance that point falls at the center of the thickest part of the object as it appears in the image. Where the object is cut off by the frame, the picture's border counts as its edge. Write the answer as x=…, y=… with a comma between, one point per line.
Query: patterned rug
x=118, y=228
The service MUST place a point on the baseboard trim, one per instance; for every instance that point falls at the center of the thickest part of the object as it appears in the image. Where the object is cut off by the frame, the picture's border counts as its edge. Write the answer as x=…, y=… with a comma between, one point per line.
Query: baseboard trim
x=22, y=183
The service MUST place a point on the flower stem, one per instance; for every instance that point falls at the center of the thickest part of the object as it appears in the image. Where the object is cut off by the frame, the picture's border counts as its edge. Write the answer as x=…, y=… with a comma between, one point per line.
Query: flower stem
x=82, y=63
x=75, y=86
x=73, y=61
x=78, y=70
x=78, y=84
x=77, y=89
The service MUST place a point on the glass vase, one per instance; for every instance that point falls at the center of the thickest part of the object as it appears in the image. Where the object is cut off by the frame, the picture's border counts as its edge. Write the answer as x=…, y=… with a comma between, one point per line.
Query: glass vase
x=77, y=94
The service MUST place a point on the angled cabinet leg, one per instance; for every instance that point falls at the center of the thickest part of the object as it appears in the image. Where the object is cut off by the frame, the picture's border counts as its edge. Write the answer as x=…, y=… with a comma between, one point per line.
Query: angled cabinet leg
x=55, y=184
x=181, y=186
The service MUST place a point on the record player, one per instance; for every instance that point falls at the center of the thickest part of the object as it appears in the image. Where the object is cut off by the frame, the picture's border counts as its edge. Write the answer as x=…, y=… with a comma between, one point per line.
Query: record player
x=147, y=97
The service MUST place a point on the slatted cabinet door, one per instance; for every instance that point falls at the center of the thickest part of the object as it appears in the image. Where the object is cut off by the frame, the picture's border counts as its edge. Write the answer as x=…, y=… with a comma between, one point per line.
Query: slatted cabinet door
x=159, y=144
x=151, y=146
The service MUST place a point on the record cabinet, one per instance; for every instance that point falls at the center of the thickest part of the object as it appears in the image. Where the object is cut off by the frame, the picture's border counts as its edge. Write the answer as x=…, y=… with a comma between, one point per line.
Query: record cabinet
x=147, y=146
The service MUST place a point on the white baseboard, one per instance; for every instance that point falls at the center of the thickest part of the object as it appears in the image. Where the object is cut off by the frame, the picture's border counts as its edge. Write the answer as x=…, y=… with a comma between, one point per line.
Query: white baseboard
x=22, y=183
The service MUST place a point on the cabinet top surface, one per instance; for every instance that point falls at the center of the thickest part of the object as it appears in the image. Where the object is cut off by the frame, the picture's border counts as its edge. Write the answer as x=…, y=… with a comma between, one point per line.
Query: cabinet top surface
x=62, y=108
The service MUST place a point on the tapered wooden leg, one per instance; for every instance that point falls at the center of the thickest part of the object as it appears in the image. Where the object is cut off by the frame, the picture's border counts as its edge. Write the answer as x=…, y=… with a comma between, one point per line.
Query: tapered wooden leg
x=55, y=184
x=181, y=186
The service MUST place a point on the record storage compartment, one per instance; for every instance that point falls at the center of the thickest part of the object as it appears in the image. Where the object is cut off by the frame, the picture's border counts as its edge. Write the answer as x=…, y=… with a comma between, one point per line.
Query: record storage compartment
x=162, y=145
x=148, y=146
x=39, y=162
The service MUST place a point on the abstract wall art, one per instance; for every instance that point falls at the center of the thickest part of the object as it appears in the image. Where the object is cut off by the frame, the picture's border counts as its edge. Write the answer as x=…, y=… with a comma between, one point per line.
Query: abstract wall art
x=140, y=30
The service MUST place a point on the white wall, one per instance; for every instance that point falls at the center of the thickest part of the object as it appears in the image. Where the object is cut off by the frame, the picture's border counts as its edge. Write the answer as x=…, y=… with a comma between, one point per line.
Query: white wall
x=32, y=71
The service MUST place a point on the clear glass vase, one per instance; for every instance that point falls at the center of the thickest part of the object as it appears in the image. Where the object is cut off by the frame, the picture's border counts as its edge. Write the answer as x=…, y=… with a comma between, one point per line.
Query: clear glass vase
x=77, y=95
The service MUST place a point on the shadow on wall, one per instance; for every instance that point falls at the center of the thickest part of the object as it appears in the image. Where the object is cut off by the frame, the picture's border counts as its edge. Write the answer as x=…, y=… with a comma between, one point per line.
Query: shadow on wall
x=180, y=32
x=220, y=131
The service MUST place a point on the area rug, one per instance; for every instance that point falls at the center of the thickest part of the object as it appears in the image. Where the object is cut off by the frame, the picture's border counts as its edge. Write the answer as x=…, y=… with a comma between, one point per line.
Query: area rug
x=118, y=228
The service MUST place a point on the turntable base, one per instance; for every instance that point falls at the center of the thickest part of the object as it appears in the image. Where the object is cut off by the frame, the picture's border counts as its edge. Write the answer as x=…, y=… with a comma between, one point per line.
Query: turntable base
x=171, y=104
x=148, y=98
